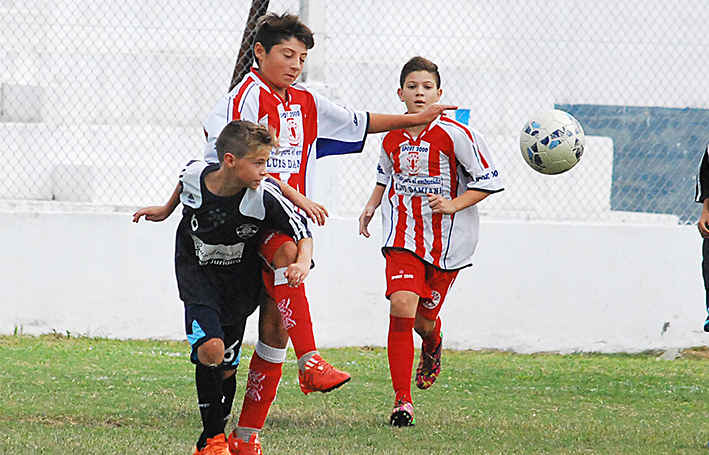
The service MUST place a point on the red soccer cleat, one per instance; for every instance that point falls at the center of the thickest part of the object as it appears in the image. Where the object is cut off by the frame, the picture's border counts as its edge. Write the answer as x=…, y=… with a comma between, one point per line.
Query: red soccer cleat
x=320, y=376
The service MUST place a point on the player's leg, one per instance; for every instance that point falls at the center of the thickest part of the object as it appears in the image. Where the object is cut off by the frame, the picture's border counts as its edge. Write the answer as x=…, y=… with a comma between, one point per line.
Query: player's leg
x=400, y=351
x=292, y=303
x=265, y=371
x=405, y=281
x=428, y=326
x=314, y=373
x=205, y=334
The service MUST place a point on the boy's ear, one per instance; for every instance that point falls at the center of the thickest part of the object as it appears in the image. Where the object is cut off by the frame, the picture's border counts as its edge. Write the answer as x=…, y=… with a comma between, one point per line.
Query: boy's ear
x=400, y=92
x=228, y=159
x=440, y=93
x=259, y=51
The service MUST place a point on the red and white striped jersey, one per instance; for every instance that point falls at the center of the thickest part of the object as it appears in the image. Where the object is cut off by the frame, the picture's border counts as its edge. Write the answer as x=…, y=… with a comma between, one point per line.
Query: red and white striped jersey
x=309, y=126
x=447, y=158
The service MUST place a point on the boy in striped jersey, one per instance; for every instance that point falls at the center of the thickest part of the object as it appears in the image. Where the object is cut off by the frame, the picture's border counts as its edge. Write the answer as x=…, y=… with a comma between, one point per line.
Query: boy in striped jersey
x=429, y=180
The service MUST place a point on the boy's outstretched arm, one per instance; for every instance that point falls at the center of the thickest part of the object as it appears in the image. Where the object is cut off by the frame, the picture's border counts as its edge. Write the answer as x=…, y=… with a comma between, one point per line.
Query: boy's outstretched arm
x=379, y=123
x=439, y=204
x=374, y=201
x=316, y=212
x=160, y=212
x=299, y=270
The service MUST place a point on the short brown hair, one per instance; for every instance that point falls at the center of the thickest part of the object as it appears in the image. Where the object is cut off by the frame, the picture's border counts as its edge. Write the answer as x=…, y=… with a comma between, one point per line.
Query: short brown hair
x=273, y=29
x=419, y=64
x=241, y=138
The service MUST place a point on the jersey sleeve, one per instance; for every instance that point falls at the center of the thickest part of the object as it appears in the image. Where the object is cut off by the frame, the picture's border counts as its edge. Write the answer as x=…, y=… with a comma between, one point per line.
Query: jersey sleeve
x=190, y=178
x=341, y=130
x=385, y=168
x=472, y=153
x=239, y=104
x=702, y=184
x=281, y=213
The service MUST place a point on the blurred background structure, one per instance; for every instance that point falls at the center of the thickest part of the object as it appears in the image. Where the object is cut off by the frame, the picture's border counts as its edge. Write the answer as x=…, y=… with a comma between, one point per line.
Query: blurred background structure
x=101, y=102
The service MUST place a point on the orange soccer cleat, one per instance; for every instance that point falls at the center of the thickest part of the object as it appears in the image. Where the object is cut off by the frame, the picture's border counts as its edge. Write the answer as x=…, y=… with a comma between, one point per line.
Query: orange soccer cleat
x=237, y=446
x=320, y=376
x=215, y=446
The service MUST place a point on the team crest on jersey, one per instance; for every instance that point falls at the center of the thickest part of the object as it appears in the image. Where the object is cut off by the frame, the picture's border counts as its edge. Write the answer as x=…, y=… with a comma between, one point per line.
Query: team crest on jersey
x=246, y=230
x=414, y=162
x=291, y=126
x=294, y=132
x=433, y=301
x=412, y=156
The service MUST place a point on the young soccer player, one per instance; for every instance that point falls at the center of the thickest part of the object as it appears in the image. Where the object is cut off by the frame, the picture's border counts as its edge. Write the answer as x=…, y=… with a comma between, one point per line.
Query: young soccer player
x=702, y=196
x=227, y=209
x=308, y=126
x=430, y=179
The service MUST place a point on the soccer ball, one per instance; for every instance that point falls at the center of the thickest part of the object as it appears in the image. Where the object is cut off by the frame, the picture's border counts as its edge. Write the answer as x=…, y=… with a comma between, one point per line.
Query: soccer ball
x=552, y=142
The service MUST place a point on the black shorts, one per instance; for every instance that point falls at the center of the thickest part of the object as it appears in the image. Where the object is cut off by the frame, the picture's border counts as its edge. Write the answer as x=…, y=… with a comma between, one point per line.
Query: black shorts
x=203, y=323
x=234, y=294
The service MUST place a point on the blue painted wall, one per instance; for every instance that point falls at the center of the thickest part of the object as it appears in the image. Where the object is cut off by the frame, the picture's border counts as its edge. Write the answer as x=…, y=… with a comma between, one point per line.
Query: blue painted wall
x=656, y=154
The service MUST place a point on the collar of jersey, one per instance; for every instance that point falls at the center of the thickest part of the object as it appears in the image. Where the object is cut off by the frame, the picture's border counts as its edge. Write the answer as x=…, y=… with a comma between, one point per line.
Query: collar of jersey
x=259, y=80
x=422, y=133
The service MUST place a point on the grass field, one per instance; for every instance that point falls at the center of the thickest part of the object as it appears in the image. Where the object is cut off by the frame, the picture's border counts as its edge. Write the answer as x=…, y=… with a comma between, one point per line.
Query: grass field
x=68, y=395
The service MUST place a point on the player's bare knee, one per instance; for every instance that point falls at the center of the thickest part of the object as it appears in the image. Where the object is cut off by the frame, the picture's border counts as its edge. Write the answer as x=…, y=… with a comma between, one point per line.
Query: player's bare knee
x=285, y=255
x=403, y=306
x=211, y=352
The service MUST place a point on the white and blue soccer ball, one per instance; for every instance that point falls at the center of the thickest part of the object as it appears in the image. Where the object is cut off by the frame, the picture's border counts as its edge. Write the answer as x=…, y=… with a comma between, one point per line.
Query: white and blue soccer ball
x=552, y=142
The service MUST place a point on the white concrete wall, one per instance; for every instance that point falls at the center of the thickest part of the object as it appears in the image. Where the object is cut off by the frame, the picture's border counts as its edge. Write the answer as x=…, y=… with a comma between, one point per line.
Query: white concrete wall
x=534, y=287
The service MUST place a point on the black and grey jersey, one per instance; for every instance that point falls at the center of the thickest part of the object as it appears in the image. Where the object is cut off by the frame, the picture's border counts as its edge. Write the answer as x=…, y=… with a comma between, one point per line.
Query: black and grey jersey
x=218, y=239
x=702, y=190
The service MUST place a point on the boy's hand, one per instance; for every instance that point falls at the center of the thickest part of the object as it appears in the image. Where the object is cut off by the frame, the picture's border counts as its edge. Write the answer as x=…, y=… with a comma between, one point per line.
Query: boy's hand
x=439, y=204
x=153, y=213
x=432, y=112
x=703, y=224
x=316, y=212
x=364, y=220
x=296, y=274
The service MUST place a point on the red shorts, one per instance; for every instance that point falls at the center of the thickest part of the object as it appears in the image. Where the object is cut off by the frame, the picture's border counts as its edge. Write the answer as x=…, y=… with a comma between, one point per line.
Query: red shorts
x=271, y=242
x=406, y=272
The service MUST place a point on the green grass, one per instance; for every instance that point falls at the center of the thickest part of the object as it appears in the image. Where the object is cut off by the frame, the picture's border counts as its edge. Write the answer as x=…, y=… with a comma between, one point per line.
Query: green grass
x=86, y=396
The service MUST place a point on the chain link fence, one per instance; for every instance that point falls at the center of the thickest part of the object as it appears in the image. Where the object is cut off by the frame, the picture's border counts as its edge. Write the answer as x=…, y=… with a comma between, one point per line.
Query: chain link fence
x=101, y=103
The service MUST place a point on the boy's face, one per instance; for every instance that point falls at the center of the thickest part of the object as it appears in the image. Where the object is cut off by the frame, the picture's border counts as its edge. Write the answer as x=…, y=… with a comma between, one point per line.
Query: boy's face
x=249, y=170
x=419, y=91
x=283, y=64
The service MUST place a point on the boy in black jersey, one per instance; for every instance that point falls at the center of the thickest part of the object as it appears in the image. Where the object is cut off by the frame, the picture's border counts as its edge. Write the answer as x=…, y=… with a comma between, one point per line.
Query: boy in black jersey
x=702, y=196
x=227, y=207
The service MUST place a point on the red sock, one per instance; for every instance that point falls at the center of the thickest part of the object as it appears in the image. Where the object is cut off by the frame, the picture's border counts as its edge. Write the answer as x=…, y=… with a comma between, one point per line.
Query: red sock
x=400, y=350
x=295, y=311
x=260, y=392
x=431, y=341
